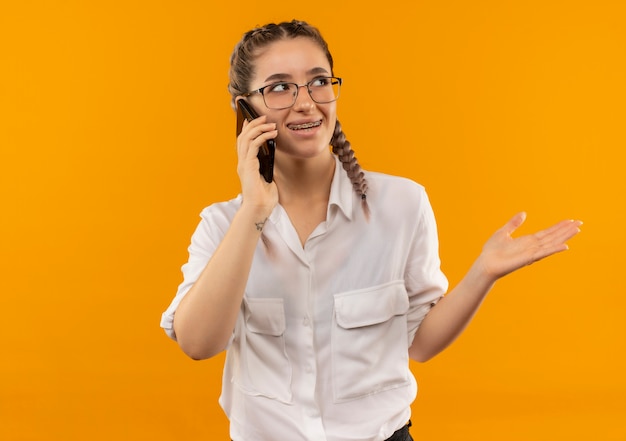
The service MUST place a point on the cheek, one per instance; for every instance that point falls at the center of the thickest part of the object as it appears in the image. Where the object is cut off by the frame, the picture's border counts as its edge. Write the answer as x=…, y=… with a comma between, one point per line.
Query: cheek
x=332, y=111
x=277, y=116
x=332, y=118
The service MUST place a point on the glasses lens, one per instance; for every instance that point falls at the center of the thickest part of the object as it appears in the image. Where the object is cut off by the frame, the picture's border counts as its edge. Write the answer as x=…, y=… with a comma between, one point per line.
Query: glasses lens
x=324, y=90
x=280, y=95
x=283, y=95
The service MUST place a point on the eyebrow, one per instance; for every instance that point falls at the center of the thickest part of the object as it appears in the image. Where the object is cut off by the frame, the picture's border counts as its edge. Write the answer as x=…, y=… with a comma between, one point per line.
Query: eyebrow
x=284, y=76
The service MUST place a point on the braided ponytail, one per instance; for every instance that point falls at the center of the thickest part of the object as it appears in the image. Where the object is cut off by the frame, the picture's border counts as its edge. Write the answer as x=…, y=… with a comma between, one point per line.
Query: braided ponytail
x=343, y=150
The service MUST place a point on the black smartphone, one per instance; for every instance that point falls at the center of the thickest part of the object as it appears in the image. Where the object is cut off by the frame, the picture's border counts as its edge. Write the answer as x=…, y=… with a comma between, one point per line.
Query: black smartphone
x=266, y=151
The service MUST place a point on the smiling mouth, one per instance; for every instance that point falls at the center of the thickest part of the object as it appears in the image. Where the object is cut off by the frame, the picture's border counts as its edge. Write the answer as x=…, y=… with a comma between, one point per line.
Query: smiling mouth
x=304, y=126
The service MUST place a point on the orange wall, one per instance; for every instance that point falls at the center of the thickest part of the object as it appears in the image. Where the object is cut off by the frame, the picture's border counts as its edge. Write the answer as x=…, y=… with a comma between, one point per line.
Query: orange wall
x=115, y=131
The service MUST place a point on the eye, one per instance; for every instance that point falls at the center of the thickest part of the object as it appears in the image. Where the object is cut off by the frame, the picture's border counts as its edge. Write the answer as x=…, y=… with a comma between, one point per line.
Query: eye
x=321, y=82
x=279, y=88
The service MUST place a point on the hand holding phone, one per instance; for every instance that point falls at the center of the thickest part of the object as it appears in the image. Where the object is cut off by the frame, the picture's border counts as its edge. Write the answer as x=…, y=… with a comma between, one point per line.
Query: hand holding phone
x=266, y=151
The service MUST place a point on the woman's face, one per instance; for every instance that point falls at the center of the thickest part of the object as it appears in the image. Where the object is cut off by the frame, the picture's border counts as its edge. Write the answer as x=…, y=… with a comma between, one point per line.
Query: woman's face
x=305, y=129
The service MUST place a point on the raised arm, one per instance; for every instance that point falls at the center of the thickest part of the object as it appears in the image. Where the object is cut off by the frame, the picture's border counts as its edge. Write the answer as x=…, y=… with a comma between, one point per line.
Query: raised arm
x=501, y=255
x=206, y=316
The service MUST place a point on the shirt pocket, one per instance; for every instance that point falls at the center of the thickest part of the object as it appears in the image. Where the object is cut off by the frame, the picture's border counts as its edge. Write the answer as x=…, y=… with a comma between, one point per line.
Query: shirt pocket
x=266, y=370
x=369, y=341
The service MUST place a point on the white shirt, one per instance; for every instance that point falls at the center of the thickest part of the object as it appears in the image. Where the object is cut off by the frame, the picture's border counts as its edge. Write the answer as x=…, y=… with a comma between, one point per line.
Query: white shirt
x=320, y=348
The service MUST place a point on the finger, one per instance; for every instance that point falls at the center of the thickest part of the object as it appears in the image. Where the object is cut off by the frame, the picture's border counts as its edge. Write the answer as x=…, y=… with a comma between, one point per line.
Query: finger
x=562, y=229
x=544, y=252
x=255, y=130
x=556, y=241
x=565, y=233
x=256, y=121
x=255, y=133
x=261, y=139
x=514, y=223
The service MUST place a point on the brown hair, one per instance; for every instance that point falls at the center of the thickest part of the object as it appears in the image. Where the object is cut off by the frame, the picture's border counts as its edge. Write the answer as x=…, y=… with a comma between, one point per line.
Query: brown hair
x=242, y=70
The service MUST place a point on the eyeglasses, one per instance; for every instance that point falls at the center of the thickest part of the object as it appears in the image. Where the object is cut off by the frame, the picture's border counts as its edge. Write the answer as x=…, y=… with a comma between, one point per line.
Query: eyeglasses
x=283, y=95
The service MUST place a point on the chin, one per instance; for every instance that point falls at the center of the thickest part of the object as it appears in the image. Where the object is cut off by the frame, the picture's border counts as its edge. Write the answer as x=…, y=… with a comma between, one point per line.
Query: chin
x=302, y=148
x=302, y=152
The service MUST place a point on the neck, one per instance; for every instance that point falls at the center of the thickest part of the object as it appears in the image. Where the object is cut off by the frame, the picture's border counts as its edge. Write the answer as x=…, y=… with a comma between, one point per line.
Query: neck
x=304, y=179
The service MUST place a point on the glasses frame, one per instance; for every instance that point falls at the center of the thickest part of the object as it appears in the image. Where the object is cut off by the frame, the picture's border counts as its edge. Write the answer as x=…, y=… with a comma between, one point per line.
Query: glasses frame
x=298, y=86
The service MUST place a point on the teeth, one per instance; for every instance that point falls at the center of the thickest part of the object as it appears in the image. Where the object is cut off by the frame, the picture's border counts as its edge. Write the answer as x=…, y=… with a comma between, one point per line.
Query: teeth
x=305, y=126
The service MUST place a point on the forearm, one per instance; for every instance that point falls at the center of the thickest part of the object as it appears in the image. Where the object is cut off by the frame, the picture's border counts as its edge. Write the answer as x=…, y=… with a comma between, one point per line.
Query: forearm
x=501, y=255
x=206, y=316
x=451, y=315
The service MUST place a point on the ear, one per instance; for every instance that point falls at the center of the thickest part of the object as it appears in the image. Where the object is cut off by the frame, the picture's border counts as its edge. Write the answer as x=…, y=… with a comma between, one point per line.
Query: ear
x=233, y=102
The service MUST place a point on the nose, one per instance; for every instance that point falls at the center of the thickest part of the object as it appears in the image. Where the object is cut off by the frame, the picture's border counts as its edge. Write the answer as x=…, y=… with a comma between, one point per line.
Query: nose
x=303, y=99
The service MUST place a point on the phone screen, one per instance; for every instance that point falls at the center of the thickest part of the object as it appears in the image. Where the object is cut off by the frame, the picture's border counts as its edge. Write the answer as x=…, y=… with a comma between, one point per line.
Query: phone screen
x=266, y=151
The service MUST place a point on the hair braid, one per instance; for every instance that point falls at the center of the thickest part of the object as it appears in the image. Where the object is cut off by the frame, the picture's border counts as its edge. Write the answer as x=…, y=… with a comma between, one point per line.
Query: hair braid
x=343, y=150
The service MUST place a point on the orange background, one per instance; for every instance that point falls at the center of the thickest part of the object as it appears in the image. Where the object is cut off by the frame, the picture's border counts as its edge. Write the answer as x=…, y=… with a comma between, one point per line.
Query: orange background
x=116, y=130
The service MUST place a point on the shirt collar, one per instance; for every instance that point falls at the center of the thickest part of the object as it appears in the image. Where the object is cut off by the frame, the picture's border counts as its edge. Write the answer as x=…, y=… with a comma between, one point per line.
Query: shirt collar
x=341, y=195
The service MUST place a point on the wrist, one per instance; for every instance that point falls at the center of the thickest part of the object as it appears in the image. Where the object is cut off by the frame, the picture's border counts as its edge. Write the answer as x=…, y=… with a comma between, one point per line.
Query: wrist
x=481, y=275
x=254, y=215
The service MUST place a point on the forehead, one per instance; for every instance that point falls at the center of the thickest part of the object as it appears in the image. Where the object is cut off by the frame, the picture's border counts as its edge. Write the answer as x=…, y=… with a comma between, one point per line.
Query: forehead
x=293, y=57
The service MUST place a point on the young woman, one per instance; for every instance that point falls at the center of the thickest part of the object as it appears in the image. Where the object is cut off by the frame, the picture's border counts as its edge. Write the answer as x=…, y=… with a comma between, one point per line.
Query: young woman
x=321, y=284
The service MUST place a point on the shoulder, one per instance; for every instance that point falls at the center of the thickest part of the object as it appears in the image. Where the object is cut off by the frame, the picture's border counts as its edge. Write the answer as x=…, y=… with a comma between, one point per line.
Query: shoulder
x=396, y=200
x=399, y=204
x=393, y=191
x=225, y=207
x=220, y=214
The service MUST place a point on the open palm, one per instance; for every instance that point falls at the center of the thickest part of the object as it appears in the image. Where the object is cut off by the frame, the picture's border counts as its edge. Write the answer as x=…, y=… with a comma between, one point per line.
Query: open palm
x=503, y=254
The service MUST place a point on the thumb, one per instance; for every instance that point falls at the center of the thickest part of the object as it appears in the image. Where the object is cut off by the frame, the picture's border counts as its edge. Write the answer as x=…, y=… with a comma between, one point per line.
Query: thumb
x=515, y=222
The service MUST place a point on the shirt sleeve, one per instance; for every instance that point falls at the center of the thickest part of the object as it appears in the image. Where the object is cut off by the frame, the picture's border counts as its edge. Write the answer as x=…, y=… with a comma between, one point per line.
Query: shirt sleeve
x=208, y=234
x=426, y=284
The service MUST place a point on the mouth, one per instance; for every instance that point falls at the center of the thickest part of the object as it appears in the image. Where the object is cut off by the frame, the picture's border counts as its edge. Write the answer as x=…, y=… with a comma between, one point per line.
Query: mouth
x=304, y=126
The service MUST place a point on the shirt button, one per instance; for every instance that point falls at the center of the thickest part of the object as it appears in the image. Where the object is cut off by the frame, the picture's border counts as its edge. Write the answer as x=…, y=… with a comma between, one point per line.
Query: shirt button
x=305, y=322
